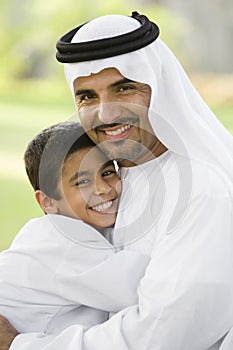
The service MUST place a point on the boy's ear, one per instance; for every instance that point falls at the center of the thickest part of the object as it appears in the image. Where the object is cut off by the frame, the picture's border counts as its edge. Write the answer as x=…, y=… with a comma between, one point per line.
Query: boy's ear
x=47, y=204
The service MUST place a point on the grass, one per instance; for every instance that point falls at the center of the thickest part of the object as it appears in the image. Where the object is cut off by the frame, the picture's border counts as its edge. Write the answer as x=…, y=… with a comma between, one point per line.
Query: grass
x=20, y=119
x=224, y=112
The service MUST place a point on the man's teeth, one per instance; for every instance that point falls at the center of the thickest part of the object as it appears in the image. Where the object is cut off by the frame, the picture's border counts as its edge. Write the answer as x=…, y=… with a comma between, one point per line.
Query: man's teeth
x=102, y=207
x=118, y=131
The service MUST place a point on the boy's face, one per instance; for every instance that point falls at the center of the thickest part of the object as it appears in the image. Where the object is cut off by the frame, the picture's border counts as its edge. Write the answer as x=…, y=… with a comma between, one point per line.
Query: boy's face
x=90, y=188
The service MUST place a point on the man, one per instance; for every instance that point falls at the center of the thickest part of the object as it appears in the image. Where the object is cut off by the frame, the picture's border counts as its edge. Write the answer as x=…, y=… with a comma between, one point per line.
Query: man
x=182, y=185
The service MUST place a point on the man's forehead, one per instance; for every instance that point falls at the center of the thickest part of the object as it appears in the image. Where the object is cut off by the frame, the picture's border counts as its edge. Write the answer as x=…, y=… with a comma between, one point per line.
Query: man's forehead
x=106, y=73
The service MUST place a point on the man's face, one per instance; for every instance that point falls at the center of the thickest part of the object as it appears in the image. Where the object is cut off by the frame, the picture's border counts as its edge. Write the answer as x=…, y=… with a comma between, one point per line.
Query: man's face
x=114, y=112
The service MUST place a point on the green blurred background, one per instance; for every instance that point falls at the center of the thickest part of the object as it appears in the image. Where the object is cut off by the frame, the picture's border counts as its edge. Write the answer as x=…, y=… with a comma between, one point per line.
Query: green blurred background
x=34, y=94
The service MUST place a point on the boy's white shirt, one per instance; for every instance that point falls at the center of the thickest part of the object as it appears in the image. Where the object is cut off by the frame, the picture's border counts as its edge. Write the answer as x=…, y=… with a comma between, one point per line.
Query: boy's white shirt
x=60, y=271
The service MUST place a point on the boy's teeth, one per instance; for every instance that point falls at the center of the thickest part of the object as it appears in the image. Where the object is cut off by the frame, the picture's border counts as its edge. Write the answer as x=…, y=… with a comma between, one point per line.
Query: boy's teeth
x=102, y=207
x=118, y=131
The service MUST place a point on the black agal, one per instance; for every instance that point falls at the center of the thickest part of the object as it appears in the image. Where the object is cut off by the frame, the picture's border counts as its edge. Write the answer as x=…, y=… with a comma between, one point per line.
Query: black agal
x=68, y=52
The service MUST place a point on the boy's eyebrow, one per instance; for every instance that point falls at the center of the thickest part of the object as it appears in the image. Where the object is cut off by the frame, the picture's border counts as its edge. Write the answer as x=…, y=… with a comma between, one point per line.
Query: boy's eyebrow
x=109, y=162
x=116, y=83
x=78, y=174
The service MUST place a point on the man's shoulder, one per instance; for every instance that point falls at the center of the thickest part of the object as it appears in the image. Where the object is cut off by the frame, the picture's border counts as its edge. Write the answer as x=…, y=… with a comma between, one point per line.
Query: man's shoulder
x=209, y=179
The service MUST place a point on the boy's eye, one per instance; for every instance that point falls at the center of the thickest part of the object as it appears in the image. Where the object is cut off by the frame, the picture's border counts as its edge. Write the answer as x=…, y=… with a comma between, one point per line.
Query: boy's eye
x=108, y=172
x=82, y=182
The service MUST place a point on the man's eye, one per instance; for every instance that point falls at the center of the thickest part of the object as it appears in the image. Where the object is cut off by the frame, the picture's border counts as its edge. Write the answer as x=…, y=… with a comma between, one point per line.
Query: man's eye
x=88, y=96
x=85, y=99
x=125, y=88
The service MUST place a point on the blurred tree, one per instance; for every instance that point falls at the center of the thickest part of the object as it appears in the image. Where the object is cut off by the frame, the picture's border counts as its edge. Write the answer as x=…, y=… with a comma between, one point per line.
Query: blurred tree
x=30, y=29
x=208, y=38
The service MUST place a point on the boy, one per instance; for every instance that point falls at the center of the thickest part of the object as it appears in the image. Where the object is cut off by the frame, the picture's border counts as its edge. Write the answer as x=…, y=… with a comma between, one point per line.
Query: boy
x=60, y=271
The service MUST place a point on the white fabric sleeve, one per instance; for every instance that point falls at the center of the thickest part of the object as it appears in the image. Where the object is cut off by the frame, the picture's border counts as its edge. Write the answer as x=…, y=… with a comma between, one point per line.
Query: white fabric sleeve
x=110, y=285
x=185, y=297
x=227, y=344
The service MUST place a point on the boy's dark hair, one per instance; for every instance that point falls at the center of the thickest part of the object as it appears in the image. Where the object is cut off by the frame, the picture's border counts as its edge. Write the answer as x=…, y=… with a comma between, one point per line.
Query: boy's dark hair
x=47, y=152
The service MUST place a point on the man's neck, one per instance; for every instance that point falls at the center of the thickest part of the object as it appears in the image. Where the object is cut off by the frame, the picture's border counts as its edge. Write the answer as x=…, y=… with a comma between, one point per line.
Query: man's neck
x=156, y=150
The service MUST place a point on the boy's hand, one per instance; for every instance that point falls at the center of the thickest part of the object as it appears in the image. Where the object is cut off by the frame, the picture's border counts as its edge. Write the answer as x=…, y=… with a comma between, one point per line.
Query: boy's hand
x=7, y=333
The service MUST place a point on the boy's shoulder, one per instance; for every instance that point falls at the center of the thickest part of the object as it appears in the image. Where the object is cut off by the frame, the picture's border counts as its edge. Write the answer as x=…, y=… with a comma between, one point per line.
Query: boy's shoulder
x=35, y=229
x=59, y=230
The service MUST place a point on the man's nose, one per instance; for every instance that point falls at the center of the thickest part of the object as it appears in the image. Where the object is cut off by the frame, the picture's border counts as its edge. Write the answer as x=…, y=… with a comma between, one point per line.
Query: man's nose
x=109, y=112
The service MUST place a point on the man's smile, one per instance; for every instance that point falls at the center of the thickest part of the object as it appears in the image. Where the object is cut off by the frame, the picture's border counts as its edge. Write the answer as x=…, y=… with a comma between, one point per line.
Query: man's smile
x=117, y=132
x=120, y=129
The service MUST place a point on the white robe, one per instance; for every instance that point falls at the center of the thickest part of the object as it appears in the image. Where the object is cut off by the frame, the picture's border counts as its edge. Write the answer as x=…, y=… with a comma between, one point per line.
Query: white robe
x=60, y=271
x=185, y=297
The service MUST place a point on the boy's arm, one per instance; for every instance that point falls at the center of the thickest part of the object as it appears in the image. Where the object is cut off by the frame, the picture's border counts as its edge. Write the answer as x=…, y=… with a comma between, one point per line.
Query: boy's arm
x=91, y=273
x=110, y=285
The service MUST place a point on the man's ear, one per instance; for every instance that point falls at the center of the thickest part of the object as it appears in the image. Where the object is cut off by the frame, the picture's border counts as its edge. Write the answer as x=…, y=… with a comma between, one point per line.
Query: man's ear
x=47, y=204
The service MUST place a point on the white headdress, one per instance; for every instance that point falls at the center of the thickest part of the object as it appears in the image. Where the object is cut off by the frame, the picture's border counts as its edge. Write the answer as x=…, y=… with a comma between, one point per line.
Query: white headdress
x=179, y=116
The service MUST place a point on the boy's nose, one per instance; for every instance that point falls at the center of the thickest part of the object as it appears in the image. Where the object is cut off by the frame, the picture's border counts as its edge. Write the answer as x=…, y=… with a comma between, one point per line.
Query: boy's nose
x=102, y=187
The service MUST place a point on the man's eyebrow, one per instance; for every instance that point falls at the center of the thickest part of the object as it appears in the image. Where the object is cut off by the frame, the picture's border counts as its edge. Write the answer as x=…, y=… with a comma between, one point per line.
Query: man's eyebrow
x=121, y=81
x=79, y=92
x=77, y=175
x=84, y=91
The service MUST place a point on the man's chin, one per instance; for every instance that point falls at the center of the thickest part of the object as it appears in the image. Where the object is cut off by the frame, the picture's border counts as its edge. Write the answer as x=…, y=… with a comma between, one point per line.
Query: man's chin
x=123, y=149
